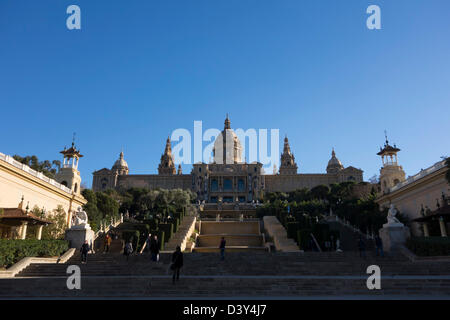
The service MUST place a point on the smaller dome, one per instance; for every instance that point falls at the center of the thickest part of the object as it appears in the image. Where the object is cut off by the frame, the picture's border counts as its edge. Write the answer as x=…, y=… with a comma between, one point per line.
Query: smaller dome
x=334, y=164
x=120, y=163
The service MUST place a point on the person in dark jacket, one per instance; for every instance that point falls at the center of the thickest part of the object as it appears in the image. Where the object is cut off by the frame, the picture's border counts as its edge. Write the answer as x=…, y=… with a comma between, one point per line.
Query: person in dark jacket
x=362, y=247
x=177, y=263
x=154, y=248
x=85, y=248
x=223, y=243
x=379, y=245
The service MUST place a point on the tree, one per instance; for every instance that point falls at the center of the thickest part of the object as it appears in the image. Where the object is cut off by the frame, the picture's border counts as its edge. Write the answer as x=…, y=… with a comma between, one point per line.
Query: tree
x=48, y=168
x=320, y=192
x=58, y=225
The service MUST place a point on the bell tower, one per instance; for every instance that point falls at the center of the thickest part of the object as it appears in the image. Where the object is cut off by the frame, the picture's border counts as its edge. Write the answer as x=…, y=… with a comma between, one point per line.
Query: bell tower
x=391, y=173
x=166, y=165
x=68, y=174
x=288, y=165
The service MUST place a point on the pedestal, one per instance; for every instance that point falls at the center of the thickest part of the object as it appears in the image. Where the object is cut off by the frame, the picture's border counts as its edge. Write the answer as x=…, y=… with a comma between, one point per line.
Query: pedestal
x=77, y=236
x=393, y=236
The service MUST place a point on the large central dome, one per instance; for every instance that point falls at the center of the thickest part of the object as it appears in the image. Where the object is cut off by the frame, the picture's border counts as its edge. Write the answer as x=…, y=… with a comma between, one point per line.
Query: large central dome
x=227, y=147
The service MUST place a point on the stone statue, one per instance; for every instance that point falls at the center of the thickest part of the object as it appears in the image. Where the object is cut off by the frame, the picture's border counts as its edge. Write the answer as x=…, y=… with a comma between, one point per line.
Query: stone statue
x=391, y=219
x=80, y=217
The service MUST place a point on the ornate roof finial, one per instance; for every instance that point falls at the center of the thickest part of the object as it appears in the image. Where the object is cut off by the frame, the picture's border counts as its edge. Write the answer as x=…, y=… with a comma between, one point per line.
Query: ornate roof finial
x=227, y=123
x=333, y=154
x=73, y=139
x=385, y=135
x=21, y=203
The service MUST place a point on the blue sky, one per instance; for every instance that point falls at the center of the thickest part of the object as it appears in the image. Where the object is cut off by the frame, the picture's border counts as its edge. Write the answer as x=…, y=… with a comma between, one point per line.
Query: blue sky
x=137, y=70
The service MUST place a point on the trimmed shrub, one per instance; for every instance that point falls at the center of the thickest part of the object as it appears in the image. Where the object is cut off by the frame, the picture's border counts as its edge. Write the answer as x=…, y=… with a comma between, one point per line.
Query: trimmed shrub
x=168, y=230
x=292, y=228
x=429, y=246
x=161, y=235
x=303, y=239
x=12, y=251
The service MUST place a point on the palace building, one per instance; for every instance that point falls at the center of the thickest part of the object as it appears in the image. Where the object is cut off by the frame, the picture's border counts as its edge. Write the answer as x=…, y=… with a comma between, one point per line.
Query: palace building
x=227, y=178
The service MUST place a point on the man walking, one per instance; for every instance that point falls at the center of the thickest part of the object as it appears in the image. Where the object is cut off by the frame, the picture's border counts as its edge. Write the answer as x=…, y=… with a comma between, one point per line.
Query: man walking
x=154, y=248
x=379, y=245
x=362, y=247
x=222, y=248
x=85, y=248
x=177, y=263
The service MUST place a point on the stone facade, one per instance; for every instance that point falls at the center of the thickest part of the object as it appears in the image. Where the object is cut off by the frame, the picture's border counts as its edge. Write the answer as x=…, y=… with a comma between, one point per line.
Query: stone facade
x=227, y=179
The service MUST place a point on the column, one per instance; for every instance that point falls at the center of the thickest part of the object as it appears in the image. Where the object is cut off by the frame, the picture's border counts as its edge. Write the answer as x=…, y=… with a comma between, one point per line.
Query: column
x=442, y=225
x=23, y=236
x=39, y=232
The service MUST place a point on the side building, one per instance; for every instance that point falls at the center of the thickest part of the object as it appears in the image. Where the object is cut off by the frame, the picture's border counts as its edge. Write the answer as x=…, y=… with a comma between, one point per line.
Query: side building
x=413, y=197
x=22, y=189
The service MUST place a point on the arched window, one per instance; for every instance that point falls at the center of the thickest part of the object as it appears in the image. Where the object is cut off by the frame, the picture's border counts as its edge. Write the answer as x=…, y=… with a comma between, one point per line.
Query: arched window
x=241, y=185
x=214, y=185
x=75, y=189
x=227, y=185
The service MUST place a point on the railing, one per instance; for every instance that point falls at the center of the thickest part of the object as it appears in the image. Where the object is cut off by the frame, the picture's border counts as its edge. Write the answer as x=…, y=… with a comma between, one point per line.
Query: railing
x=105, y=229
x=34, y=173
x=353, y=228
x=421, y=174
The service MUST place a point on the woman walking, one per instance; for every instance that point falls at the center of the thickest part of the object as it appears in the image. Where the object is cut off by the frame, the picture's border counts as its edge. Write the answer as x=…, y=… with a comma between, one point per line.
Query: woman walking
x=128, y=249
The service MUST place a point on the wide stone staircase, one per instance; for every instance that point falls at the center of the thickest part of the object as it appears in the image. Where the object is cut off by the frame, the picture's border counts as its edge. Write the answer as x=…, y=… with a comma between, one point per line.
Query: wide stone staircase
x=239, y=236
x=242, y=274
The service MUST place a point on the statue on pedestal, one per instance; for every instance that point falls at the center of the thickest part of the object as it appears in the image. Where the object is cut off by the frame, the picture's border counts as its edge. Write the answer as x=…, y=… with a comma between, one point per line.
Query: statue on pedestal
x=391, y=219
x=80, y=219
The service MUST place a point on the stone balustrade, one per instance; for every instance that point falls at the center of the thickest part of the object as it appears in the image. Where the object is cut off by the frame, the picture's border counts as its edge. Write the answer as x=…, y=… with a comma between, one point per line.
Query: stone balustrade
x=279, y=235
x=34, y=173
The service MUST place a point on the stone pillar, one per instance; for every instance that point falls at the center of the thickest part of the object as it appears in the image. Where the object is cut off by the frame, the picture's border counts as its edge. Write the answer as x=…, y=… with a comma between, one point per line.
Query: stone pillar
x=442, y=225
x=23, y=234
x=426, y=232
x=39, y=232
x=394, y=236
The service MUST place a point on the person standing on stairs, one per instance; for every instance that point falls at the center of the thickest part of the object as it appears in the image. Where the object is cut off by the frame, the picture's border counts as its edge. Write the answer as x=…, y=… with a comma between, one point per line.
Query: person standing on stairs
x=222, y=248
x=85, y=248
x=177, y=263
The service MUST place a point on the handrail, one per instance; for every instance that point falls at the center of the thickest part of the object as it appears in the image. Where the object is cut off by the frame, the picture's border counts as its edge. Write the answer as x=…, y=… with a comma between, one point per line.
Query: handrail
x=315, y=241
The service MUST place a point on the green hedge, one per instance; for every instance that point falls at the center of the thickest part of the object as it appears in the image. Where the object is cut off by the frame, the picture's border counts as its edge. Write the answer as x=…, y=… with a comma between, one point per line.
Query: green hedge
x=12, y=251
x=168, y=231
x=429, y=246
x=303, y=237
